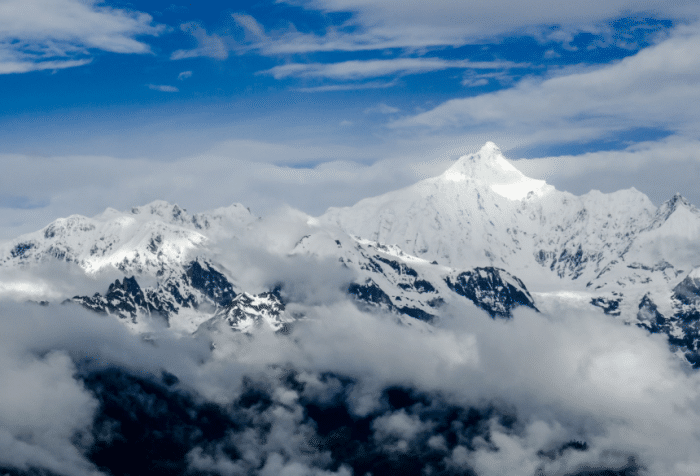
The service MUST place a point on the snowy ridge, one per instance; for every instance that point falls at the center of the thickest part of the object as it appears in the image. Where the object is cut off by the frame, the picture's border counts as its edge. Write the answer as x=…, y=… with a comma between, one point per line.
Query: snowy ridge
x=387, y=278
x=150, y=239
x=492, y=289
x=616, y=251
x=598, y=241
x=250, y=311
x=480, y=236
x=183, y=298
x=461, y=220
x=489, y=167
x=669, y=209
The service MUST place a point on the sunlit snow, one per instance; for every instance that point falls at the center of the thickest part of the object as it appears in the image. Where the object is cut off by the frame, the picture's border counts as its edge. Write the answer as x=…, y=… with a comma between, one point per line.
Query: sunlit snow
x=490, y=167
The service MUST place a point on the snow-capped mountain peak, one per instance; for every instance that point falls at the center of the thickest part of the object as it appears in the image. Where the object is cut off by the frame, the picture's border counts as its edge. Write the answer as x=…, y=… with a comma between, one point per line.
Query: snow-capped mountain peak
x=148, y=239
x=490, y=167
x=677, y=208
x=167, y=211
x=474, y=230
x=484, y=212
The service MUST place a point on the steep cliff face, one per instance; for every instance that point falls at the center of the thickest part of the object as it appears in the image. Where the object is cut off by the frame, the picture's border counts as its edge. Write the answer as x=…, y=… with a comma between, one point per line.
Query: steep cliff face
x=492, y=289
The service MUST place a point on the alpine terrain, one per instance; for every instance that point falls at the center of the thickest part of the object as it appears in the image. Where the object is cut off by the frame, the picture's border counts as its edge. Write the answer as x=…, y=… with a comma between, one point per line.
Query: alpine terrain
x=480, y=245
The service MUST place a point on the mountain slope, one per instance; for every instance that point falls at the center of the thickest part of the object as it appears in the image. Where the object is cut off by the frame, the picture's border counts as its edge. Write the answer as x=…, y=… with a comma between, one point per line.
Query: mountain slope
x=150, y=239
x=483, y=211
x=616, y=251
x=480, y=236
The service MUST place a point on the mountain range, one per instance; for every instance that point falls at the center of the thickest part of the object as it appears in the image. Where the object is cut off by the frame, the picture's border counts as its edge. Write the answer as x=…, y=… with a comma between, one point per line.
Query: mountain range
x=480, y=234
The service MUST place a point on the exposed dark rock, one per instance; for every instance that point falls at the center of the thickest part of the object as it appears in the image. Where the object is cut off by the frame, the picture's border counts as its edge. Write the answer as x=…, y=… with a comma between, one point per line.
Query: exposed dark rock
x=568, y=446
x=126, y=299
x=609, y=306
x=649, y=316
x=683, y=327
x=267, y=305
x=143, y=425
x=415, y=313
x=210, y=282
x=371, y=293
x=399, y=268
x=688, y=291
x=21, y=249
x=492, y=289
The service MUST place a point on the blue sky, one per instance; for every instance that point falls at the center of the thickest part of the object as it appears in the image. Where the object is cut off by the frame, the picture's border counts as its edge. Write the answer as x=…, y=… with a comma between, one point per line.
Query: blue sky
x=319, y=103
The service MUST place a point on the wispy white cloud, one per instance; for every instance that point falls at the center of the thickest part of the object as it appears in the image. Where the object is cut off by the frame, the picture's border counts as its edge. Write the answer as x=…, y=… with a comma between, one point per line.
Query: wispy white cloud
x=250, y=25
x=184, y=75
x=163, y=88
x=472, y=78
x=415, y=25
x=382, y=108
x=650, y=89
x=19, y=66
x=262, y=175
x=47, y=34
x=650, y=166
x=212, y=46
x=348, y=86
x=416, y=22
x=360, y=69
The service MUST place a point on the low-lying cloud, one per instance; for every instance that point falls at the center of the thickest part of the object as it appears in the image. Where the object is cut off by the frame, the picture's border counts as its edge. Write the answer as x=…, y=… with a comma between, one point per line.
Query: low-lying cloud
x=345, y=392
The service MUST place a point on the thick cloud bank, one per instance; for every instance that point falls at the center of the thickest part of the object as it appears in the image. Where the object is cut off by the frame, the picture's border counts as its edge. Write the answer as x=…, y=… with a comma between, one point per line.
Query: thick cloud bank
x=344, y=393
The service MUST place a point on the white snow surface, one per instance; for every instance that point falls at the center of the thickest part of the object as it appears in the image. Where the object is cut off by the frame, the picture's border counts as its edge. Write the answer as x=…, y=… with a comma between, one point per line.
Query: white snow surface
x=482, y=211
x=147, y=239
x=249, y=311
x=489, y=167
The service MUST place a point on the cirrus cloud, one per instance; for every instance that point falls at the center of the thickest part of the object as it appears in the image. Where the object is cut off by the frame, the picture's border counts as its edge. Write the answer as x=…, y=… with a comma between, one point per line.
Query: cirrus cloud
x=47, y=34
x=650, y=89
x=416, y=25
x=360, y=69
